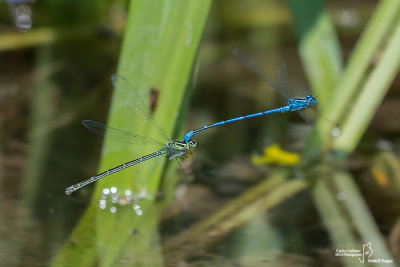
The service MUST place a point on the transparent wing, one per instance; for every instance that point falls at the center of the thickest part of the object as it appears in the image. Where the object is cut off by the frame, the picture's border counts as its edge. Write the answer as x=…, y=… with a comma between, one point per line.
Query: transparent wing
x=245, y=60
x=310, y=115
x=118, y=135
x=283, y=81
x=131, y=99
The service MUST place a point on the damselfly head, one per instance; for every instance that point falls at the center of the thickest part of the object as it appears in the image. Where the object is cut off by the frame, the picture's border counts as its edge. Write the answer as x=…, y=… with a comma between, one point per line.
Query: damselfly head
x=311, y=100
x=192, y=143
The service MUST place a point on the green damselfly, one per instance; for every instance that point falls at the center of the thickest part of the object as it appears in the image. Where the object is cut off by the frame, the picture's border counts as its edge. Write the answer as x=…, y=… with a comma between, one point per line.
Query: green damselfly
x=171, y=148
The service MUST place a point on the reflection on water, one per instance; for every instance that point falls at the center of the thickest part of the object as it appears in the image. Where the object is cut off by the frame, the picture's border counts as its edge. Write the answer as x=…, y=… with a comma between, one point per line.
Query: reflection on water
x=21, y=14
x=23, y=19
x=112, y=198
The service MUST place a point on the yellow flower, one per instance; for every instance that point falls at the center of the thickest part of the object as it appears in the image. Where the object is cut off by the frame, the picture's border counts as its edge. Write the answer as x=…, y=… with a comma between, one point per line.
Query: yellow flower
x=275, y=155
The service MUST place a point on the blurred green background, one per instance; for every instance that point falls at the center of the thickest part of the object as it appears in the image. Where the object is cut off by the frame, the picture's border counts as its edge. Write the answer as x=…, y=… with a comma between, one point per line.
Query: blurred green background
x=271, y=191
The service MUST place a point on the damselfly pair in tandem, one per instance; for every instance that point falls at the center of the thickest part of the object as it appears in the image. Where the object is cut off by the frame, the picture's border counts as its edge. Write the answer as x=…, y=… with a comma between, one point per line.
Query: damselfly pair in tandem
x=174, y=149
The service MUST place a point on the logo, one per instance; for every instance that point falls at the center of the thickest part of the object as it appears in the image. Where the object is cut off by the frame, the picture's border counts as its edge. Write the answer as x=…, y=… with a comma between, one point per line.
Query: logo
x=367, y=252
x=364, y=254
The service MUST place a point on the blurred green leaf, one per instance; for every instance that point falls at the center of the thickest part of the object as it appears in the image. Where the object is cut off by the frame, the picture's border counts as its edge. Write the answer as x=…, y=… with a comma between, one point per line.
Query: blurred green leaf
x=319, y=46
x=322, y=69
x=372, y=93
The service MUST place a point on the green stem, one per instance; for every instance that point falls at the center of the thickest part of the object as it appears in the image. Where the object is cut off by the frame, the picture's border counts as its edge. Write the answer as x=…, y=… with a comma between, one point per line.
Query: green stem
x=372, y=93
x=362, y=55
x=158, y=51
x=319, y=47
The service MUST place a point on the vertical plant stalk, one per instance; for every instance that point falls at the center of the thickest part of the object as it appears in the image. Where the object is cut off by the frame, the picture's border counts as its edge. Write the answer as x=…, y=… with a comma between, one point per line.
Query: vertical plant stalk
x=349, y=84
x=159, y=48
x=361, y=57
x=372, y=93
x=321, y=56
x=358, y=118
x=319, y=47
x=334, y=218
